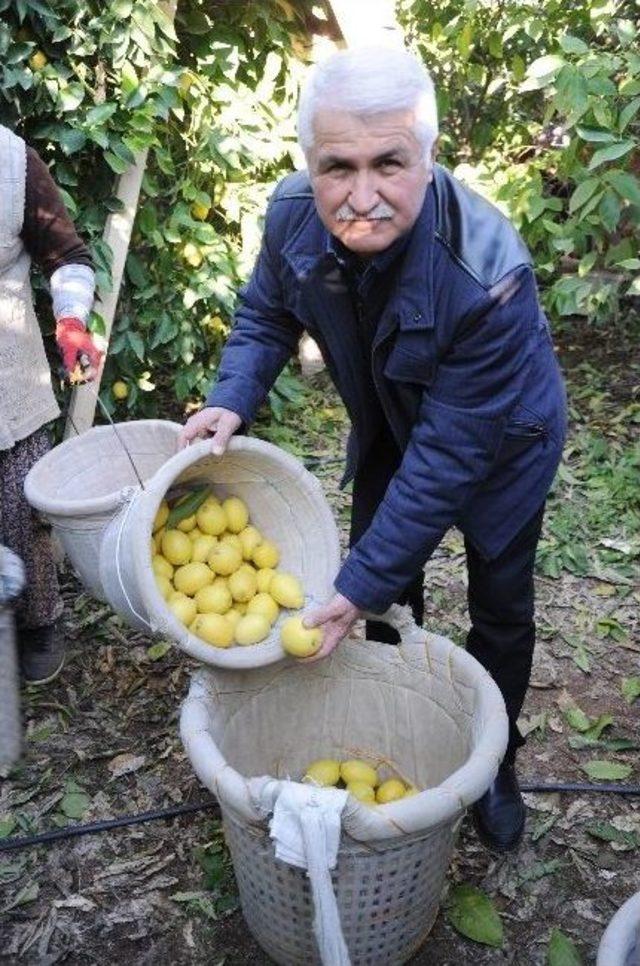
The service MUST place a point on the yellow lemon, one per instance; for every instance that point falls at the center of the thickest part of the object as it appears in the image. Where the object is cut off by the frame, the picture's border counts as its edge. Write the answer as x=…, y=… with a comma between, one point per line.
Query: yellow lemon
x=202, y=547
x=237, y=513
x=190, y=578
x=297, y=640
x=157, y=539
x=324, y=772
x=164, y=585
x=187, y=524
x=214, y=599
x=198, y=210
x=249, y=538
x=176, y=547
x=286, y=590
x=152, y=547
x=265, y=605
x=264, y=579
x=390, y=791
x=194, y=534
x=161, y=567
x=211, y=518
x=214, y=629
x=161, y=516
x=240, y=607
x=361, y=791
x=266, y=554
x=243, y=584
x=192, y=254
x=233, y=616
x=183, y=607
x=119, y=390
x=251, y=629
x=411, y=791
x=38, y=60
x=224, y=559
x=233, y=540
x=355, y=770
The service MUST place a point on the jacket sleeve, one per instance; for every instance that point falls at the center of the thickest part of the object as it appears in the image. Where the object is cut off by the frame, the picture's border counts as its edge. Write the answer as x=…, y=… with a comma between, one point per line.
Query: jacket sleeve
x=452, y=446
x=263, y=337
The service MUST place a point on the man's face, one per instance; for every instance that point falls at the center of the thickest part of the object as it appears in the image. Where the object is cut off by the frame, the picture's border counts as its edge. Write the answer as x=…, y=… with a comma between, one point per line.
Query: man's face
x=369, y=177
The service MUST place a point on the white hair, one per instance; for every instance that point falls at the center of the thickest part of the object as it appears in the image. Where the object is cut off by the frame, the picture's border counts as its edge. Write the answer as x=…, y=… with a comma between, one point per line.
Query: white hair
x=366, y=81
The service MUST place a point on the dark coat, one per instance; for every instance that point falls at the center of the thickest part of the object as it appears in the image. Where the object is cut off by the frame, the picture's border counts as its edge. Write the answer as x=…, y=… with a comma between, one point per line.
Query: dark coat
x=462, y=362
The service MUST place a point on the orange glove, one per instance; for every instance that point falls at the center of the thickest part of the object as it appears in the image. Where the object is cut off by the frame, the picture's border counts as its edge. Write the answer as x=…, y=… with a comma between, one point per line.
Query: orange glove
x=81, y=358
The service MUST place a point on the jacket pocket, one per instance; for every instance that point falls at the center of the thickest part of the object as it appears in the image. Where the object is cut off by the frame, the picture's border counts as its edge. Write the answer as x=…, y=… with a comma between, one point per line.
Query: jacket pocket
x=405, y=365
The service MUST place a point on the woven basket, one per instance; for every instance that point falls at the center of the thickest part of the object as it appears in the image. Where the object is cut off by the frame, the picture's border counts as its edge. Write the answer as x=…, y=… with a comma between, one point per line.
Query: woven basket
x=425, y=711
x=620, y=943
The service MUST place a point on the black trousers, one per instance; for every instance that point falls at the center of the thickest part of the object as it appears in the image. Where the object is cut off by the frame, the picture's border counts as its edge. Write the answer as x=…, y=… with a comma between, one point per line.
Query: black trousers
x=500, y=594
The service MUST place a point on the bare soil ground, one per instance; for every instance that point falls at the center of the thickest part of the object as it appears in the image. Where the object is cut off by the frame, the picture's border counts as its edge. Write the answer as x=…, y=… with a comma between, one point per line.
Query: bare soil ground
x=102, y=741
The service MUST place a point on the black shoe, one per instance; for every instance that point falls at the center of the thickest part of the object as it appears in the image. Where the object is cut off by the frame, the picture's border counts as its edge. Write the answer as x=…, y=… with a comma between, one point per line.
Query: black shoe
x=499, y=816
x=41, y=652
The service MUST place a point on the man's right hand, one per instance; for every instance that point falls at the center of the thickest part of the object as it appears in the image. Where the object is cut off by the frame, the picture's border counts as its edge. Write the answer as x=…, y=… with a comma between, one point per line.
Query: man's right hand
x=211, y=421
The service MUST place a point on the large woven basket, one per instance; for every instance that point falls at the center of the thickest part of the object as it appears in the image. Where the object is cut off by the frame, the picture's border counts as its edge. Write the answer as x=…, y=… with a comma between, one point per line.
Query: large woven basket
x=425, y=711
x=620, y=943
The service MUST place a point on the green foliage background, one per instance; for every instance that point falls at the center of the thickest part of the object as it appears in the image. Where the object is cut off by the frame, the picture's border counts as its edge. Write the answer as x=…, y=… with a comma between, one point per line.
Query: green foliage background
x=540, y=108
x=213, y=102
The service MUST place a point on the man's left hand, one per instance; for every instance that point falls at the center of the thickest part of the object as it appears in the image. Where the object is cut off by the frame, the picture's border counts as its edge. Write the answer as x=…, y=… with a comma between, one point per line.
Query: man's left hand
x=81, y=357
x=335, y=620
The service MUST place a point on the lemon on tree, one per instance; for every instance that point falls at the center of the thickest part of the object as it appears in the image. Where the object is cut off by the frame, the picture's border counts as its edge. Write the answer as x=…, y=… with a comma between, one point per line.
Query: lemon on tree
x=324, y=772
x=119, y=390
x=298, y=640
x=38, y=60
x=251, y=629
x=192, y=254
x=200, y=211
x=192, y=577
x=176, y=547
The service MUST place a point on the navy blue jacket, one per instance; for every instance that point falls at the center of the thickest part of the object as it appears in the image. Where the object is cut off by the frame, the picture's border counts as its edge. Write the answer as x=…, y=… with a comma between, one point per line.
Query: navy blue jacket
x=462, y=362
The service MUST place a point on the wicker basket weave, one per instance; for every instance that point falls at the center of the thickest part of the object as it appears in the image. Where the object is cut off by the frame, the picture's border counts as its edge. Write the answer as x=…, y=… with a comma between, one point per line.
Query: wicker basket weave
x=425, y=711
x=620, y=943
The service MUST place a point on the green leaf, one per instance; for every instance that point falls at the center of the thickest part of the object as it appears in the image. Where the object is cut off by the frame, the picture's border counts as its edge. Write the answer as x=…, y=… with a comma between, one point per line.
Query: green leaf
x=608, y=833
x=610, y=210
x=473, y=915
x=157, y=651
x=627, y=185
x=573, y=45
x=187, y=506
x=628, y=113
x=545, y=66
x=594, y=134
x=630, y=688
x=561, y=951
x=75, y=804
x=582, y=193
x=611, y=153
x=607, y=770
x=7, y=826
x=577, y=719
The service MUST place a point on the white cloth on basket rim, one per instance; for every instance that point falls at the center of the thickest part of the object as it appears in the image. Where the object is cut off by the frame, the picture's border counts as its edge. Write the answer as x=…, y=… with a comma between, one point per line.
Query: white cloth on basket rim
x=306, y=827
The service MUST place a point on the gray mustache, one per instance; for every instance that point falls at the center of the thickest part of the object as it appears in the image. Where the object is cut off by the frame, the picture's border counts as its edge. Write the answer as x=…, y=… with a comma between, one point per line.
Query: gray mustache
x=381, y=211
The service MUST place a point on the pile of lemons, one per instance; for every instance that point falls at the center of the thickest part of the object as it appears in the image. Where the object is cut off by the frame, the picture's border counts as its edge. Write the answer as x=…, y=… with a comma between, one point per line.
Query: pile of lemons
x=360, y=779
x=218, y=574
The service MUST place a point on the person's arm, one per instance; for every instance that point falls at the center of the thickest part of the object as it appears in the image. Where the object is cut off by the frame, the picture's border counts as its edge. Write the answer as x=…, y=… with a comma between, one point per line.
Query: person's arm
x=50, y=238
x=451, y=450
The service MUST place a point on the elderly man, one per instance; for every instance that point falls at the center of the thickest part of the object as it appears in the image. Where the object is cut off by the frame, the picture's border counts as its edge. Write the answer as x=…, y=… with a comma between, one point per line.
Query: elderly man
x=422, y=299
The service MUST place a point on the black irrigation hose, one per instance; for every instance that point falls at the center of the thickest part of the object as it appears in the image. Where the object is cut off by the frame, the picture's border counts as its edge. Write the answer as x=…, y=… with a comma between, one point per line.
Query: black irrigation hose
x=92, y=828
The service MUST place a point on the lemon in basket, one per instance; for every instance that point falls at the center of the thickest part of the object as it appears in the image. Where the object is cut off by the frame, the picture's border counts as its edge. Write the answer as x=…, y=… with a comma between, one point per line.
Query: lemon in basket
x=214, y=629
x=224, y=559
x=324, y=772
x=355, y=770
x=266, y=554
x=265, y=605
x=176, y=547
x=390, y=791
x=191, y=577
x=251, y=629
x=362, y=791
x=243, y=584
x=286, y=590
x=211, y=518
x=213, y=599
x=237, y=514
x=182, y=607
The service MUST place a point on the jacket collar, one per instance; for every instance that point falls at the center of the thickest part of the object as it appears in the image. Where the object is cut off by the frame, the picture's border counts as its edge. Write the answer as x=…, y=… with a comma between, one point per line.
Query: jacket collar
x=411, y=302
